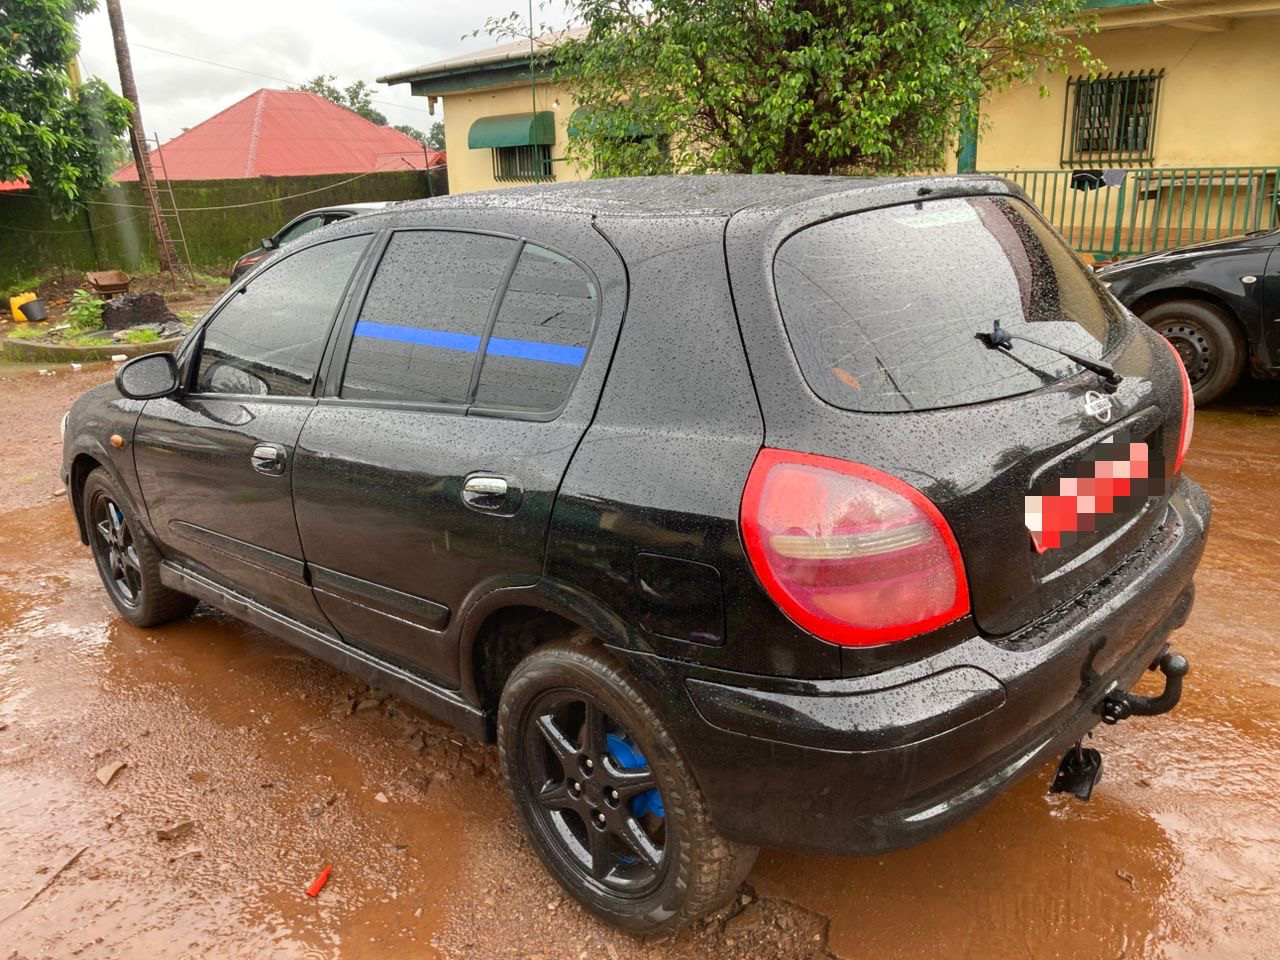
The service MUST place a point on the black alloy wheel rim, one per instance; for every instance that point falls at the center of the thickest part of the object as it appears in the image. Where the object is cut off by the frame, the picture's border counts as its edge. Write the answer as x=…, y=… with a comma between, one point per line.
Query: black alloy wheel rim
x=586, y=801
x=1194, y=347
x=115, y=550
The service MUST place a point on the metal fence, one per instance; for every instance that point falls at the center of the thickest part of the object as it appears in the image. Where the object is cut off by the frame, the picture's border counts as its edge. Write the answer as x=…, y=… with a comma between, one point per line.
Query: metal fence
x=1109, y=214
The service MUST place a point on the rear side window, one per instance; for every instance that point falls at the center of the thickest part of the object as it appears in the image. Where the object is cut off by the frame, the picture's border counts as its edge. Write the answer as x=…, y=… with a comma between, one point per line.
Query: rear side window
x=424, y=318
x=267, y=340
x=882, y=307
x=540, y=340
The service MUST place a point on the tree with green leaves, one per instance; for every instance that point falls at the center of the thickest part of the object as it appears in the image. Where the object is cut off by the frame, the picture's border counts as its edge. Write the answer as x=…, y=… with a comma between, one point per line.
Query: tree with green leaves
x=56, y=136
x=434, y=138
x=357, y=96
x=794, y=86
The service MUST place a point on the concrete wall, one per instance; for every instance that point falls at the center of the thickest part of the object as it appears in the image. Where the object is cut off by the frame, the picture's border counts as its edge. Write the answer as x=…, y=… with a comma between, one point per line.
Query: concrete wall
x=234, y=215
x=473, y=169
x=1218, y=101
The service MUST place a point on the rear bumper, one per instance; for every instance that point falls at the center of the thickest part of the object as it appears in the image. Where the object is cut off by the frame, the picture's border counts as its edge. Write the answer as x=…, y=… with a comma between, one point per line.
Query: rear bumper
x=876, y=763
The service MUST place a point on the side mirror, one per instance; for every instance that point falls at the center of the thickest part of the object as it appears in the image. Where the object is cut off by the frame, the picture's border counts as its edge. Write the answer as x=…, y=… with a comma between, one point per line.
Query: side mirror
x=269, y=243
x=149, y=376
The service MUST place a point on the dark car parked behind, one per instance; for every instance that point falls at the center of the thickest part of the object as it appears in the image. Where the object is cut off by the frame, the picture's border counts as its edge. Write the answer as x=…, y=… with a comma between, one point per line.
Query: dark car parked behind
x=740, y=511
x=299, y=227
x=1218, y=304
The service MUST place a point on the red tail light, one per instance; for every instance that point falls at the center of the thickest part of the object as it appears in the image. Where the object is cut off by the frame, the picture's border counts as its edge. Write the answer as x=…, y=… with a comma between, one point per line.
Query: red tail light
x=1188, y=410
x=851, y=554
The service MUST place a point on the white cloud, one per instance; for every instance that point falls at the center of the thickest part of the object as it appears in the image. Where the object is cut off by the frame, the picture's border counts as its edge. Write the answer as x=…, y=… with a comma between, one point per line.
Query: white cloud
x=292, y=40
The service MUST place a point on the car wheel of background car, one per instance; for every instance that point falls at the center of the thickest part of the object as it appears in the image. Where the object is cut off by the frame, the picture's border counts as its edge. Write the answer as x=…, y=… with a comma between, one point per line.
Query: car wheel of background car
x=606, y=798
x=127, y=561
x=1211, y=347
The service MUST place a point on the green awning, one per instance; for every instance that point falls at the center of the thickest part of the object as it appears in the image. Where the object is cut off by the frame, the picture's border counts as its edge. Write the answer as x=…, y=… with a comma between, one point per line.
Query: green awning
x=513, y=130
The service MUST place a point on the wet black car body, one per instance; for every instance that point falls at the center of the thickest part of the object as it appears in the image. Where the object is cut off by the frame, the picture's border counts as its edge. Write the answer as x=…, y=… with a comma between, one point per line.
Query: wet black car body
x=597, y=542
x=1218, y=303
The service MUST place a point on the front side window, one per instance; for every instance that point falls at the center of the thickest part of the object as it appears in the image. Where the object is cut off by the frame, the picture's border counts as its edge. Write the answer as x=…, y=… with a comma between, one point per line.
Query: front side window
x=426, y=313
x=1112, y=118
x=267, y=340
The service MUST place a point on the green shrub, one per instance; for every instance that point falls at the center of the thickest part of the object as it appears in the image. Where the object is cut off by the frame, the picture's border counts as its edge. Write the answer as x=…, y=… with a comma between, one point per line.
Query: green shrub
x=85, y=312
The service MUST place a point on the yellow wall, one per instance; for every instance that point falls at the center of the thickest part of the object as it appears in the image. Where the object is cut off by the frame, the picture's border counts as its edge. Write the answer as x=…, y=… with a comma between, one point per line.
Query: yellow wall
x=473, y=169
x=1219, y=104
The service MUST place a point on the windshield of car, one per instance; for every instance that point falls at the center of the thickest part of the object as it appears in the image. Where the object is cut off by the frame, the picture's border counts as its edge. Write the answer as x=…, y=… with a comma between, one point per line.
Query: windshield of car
x=882, y=307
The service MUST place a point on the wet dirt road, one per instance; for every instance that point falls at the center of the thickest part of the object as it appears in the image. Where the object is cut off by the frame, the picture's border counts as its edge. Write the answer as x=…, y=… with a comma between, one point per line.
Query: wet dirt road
x=282, y=766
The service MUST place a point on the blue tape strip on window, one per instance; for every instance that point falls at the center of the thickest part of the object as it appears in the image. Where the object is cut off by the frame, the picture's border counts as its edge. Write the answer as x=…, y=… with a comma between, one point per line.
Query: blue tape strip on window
x=466, y=343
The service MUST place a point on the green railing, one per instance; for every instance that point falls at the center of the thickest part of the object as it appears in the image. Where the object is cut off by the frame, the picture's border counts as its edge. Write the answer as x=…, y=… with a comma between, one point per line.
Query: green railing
x=1151, y=209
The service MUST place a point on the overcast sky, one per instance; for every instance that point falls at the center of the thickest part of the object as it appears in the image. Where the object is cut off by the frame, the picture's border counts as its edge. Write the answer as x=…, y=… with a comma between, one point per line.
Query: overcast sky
x=292, y=40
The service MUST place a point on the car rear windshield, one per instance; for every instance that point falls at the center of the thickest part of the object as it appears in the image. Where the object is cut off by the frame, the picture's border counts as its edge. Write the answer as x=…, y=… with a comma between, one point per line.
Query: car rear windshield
x=882, y=307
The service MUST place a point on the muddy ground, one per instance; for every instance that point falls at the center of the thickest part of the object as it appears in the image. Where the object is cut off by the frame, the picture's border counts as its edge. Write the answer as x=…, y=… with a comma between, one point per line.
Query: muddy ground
x=268, y=765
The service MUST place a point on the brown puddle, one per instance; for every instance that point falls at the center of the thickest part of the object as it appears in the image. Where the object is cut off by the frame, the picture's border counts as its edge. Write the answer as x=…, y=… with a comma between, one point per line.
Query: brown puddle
x=1177, y=856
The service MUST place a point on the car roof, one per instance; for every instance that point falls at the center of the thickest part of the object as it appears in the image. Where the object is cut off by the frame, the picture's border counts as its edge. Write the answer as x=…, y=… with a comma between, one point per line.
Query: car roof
x=693, y=195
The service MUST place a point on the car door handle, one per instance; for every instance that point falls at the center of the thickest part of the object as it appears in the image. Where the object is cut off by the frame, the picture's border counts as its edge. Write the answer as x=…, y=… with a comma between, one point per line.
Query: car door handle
x=268, y=458
x=490, y=494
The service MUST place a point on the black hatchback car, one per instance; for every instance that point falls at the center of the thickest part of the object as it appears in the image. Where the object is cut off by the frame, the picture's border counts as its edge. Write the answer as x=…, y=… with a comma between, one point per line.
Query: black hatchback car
x=1218, y=303
x=740, y=511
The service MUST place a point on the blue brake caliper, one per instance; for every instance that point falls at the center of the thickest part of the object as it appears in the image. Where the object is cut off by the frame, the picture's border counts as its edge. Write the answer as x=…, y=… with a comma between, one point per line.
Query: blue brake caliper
x=627, y=757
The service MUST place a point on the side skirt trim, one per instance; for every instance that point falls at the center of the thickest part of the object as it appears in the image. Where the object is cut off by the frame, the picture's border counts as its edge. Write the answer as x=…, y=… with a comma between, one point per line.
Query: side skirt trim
x=444, y=704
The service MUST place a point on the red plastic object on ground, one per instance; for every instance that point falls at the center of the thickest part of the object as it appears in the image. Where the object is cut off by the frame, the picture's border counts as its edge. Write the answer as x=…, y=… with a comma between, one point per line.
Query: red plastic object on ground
x=318, y=883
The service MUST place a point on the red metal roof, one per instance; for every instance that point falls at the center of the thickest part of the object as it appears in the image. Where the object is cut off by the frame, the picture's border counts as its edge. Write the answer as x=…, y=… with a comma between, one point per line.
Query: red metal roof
x=285, y=133
x=8, y=185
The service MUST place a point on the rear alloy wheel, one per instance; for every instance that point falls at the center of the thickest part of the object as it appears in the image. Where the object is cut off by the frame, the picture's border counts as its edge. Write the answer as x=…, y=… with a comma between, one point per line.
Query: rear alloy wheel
x=1210, y=345
x=605, y=797
x=127, y=562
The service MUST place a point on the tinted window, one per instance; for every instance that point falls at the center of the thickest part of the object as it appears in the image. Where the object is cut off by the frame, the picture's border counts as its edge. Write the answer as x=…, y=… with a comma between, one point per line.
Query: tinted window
x=540, y=339
x=301, y=228
x=425, y=315
x=882, y=307
x=268, y=339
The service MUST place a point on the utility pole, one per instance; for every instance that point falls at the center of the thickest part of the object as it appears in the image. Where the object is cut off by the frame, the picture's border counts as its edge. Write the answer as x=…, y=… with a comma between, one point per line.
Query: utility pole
x=138, y=139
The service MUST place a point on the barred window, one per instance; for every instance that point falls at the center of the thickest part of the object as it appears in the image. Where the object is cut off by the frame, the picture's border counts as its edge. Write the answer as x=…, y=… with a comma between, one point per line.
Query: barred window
x=1111, y=118
x=528, y=162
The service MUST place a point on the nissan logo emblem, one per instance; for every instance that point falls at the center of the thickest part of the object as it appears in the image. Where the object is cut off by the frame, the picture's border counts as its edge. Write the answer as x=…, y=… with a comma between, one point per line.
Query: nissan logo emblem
x=1096, y=405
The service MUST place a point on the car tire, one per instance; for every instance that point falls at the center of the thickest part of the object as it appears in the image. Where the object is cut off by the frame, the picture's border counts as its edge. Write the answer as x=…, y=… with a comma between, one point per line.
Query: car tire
x=684, y=869
x=127, y=561
x=1208, y=341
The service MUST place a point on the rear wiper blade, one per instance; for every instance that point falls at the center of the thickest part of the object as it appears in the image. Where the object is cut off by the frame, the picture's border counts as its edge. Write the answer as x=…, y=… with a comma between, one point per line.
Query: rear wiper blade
x=999, y=338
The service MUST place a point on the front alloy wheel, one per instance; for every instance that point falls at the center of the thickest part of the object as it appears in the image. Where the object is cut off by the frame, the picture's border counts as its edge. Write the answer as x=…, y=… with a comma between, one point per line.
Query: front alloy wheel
x=115, y=551
x=127, y=562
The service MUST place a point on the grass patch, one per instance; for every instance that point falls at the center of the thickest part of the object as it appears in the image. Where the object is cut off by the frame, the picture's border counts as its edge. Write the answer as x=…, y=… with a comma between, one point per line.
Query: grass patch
x=22, y=284
x=85, y=340
x=189, y=316
x=26, y=333
x=145, y=335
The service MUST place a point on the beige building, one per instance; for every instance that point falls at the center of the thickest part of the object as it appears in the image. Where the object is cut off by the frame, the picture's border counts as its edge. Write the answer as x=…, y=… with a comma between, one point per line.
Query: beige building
x=504, y=124
x=1184, y=124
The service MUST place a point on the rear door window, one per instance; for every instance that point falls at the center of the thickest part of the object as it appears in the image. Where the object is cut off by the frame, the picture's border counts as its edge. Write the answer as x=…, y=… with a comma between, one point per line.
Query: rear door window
x=882, y=307
x=425, y=315
x=540, y=339
x=267, y=339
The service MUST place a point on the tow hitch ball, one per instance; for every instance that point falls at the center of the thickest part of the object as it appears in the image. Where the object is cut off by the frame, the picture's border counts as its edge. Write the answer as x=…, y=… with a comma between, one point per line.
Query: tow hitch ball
x=1081, y=767
x=1122, y=706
